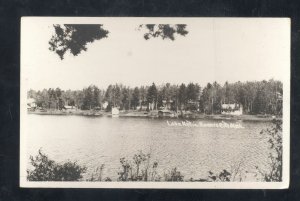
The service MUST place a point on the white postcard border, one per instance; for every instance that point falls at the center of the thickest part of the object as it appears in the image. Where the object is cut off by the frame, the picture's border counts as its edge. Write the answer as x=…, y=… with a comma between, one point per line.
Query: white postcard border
x=155, y=185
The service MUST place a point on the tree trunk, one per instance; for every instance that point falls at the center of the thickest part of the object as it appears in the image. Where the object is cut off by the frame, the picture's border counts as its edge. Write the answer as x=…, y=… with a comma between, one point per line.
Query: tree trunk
x=212, y=106
x=129, y=104
x=181, y=110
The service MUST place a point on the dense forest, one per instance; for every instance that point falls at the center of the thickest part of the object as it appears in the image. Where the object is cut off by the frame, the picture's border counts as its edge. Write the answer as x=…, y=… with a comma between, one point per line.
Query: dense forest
x=258, y=97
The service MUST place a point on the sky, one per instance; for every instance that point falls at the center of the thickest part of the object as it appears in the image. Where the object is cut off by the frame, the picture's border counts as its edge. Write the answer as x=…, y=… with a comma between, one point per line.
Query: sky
x=215, y=49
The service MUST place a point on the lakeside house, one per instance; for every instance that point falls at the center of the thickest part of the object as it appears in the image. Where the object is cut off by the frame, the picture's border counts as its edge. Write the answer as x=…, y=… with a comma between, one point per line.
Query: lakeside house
x=31, y=104
x=193, y=105
x=104, y=105
x=166, y=113
x=69, y=108
x=167, y=104
x=141, y=107
x=278, y=97
x=232, y=109
x=115, y=111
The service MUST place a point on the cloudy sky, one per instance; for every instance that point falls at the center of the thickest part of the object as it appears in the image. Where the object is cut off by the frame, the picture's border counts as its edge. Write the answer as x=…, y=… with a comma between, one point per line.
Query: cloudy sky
x=215, y=49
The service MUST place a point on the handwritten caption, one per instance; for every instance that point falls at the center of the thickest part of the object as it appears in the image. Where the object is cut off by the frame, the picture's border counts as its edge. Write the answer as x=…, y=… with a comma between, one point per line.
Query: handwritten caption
x=222, y=124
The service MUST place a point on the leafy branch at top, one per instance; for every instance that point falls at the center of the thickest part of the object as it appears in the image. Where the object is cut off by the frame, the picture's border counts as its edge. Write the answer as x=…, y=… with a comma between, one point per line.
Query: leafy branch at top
x=74, y=37
x=165, y=31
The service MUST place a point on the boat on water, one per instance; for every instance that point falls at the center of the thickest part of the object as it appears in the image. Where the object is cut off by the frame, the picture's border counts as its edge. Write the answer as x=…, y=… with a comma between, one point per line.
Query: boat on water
x=115, y=112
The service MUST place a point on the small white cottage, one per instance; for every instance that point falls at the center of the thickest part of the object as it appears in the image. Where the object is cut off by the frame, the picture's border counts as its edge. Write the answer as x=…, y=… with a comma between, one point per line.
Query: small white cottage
x=232, y=109
x=31, y=104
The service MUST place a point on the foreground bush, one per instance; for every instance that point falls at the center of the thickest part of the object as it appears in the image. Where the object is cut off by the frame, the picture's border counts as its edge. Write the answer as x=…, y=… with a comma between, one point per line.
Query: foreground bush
x=173, y=175
x=139, y=169
x=45, y=169
x=97, y=175
x=274, y=139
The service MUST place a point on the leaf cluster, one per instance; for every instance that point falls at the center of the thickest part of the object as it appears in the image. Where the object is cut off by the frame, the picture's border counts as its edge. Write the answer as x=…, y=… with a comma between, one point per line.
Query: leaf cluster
x=74, y=37
x=164, y=31
x=45, y=169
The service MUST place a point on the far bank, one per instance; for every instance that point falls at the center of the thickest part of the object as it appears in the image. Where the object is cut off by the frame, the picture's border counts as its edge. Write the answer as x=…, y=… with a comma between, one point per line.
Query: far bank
x=158, y=114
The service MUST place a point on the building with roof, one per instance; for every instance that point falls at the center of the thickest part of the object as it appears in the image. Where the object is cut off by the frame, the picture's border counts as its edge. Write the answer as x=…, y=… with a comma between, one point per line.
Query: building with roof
x=31, y=104
x=232, y=109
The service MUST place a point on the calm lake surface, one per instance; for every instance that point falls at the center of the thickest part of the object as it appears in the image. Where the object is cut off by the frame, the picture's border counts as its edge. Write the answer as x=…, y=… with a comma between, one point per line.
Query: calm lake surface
x=93, y=141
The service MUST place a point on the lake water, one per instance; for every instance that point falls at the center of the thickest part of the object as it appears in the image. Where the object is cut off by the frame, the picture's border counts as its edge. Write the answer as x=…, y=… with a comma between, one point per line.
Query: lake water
x=93, y=141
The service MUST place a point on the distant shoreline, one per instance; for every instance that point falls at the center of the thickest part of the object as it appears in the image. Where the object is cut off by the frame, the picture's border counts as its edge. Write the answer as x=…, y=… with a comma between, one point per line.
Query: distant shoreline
x=154, y=114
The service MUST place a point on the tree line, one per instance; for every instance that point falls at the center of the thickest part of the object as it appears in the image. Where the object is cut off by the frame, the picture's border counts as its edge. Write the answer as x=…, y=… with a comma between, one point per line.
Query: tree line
x=256, y=97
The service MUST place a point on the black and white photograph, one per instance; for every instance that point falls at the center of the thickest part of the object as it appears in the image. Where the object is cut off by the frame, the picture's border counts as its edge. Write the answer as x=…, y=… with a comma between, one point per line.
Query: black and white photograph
x=141, y=102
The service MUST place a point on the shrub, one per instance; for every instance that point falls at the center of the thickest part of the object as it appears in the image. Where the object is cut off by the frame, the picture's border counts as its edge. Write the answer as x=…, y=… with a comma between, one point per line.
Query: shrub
x=126, y=170
x=223, y=176
x=173, y=175
x=98, y=174
x=45, y=169
x=139, y=169
x=274, y=139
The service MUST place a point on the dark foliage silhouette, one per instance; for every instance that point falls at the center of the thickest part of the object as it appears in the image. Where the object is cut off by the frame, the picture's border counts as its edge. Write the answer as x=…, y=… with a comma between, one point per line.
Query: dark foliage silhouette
x=173, y=175
x=74, y=37
x=140, y=168
x=274, y=138
x=165, y=31
x=45, y=169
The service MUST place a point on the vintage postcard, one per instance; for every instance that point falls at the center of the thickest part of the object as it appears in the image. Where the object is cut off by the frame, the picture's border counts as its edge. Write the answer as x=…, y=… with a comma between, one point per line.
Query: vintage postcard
x=155, y=102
